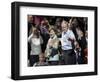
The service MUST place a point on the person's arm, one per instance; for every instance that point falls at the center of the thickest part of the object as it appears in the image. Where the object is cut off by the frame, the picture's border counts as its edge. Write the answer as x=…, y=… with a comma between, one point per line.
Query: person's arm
x=47, y=51
x=29, y=38
x=72, y=37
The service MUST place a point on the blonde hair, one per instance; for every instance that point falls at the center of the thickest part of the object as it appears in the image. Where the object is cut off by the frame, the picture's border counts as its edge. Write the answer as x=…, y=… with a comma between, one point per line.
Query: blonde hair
x=52, y=28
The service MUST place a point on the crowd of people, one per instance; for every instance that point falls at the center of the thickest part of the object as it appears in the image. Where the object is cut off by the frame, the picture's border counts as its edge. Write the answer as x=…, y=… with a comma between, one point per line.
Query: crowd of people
x=55, y=40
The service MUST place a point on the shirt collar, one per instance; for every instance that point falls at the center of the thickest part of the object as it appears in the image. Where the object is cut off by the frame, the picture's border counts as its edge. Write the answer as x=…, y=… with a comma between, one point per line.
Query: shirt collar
x=66, y=32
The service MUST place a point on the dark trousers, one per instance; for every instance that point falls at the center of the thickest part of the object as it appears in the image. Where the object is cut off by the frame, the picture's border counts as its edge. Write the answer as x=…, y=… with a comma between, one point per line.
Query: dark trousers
x=33, y=59
x=80, y=60
x=29, y=49
x=69, y=57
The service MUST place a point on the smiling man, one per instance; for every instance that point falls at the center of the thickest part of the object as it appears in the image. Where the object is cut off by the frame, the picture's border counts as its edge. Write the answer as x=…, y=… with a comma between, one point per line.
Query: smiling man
x=67, y=41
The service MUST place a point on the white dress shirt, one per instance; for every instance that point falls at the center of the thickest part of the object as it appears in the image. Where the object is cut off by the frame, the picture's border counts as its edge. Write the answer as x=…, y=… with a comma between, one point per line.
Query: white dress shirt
x=66, y=44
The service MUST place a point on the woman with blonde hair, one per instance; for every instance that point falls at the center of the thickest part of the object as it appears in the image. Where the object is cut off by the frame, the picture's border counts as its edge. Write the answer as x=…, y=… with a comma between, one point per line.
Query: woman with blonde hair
x=52, y=48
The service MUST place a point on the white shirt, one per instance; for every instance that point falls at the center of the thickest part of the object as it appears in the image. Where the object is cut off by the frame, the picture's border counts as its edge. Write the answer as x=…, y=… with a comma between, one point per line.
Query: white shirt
x=35, y=45
x=66, y=44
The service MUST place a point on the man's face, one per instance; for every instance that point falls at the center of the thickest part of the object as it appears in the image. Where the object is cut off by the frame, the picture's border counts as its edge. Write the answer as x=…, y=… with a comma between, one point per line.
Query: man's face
x=64, y=26
x=74, y=23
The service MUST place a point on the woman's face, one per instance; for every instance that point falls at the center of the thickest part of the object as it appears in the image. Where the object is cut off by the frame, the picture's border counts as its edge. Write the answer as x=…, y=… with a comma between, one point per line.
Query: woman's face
x=52, y=33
